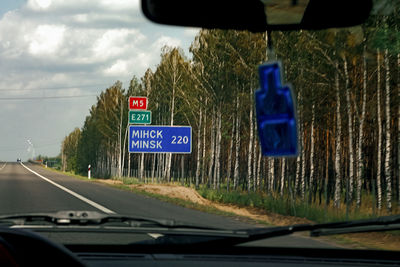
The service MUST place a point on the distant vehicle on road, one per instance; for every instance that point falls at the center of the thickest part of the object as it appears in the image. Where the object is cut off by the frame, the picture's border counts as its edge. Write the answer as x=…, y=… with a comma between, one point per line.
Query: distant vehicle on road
x=18, y=160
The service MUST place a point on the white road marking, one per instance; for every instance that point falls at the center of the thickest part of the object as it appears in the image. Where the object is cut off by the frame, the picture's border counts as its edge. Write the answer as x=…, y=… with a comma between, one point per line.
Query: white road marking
x=84, y=199
x=5, y=163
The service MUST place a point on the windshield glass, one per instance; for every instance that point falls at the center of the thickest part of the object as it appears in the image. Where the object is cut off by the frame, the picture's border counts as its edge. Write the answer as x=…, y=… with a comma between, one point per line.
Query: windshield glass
x=90, y=91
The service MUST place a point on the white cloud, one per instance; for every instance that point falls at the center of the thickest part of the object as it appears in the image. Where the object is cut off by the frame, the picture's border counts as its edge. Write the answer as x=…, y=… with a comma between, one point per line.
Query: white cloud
x=69, y=6
x=116, y=42
x=67, y=45
x=120, y=4
x=119, y=68
x=39, y=4
x=80, y=18
x=46, y=39
x=166, y=41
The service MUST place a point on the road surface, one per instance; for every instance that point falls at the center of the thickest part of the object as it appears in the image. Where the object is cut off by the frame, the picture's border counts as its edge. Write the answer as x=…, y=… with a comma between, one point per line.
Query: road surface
x=27, y=188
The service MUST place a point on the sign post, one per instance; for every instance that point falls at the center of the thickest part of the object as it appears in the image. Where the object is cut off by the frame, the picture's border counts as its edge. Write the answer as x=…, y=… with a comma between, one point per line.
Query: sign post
x=89, y=169
x=160, y=139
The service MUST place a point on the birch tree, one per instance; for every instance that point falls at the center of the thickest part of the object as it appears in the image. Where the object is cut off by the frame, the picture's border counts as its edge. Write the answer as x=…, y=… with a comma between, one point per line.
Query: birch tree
x=250, y=150
x=283, y=175
x=379, y=152
x=312, y=152
x=338, y=174
x=398, y=128
x=350, y=133
x=230, y=153
x=360, y=160
x=198, y=160
x=388, y=175
x=298, y=159
x=237, y=146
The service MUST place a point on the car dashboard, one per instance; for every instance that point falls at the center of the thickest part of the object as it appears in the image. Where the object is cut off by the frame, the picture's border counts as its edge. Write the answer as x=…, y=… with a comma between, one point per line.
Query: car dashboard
x=236, y=256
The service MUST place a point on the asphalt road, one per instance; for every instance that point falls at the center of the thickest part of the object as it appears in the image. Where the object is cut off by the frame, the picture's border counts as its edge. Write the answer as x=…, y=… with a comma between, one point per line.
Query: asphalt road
x=27, y=188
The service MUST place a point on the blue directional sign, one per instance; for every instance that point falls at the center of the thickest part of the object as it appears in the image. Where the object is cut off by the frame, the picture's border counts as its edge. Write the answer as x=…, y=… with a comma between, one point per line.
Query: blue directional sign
x=160, y=139
x=275, y=109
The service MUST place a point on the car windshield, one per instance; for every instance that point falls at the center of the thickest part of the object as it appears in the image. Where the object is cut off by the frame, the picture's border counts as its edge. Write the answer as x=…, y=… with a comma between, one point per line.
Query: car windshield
x=92, y=94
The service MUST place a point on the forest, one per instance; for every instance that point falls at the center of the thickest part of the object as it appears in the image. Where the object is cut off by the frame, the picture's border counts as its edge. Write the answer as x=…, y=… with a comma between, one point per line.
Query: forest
x=347, y=85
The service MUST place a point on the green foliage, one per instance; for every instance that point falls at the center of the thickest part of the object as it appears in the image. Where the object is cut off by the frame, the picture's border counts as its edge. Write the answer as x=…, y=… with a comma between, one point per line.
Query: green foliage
x=70, y=150
x=220, y=78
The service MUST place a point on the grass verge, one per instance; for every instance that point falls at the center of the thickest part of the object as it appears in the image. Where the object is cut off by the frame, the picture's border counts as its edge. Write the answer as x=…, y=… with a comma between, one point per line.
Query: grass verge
x=286, y=205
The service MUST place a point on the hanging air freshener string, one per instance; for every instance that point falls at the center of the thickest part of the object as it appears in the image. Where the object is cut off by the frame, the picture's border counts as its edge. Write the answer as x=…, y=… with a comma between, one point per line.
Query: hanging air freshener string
x=270, y=53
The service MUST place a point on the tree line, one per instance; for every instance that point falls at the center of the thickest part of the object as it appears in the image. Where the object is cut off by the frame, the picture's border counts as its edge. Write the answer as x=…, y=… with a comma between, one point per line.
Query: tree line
x=347, y=86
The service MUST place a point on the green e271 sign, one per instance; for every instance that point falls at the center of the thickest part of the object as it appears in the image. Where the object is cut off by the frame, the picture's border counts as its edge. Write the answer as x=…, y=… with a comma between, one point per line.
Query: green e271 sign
x=140, y=117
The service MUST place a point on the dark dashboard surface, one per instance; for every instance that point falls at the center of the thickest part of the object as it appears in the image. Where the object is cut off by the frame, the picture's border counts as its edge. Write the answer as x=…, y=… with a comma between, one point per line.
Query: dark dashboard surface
x=32, y=249
x=234, y=256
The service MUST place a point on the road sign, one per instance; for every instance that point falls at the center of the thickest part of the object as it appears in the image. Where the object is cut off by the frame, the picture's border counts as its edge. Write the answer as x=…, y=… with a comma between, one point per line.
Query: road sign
x=139, y=116
x=160, y=139
x=138, y=102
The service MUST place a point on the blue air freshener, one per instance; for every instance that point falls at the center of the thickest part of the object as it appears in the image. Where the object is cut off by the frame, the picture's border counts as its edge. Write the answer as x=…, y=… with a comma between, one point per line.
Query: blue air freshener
x=276, y=113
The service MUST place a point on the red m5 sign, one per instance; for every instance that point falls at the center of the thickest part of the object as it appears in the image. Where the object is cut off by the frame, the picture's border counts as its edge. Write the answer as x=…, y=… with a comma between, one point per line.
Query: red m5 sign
x=138, y=102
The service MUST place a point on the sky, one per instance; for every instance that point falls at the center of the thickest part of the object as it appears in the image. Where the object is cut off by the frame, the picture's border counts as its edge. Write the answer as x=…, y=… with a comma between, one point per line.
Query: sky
x=56, y=56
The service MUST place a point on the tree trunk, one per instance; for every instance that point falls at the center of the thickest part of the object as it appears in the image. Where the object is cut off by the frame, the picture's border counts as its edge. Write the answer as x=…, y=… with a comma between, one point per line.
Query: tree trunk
x=298, y=159
x=398, y=130
x=167, y=173
x=326, y=170
x=237, y=146
x=230, y=153
x=350, y=130
x=255, y=146
x=312, y=152
x=212, y=149
x=198, y=148
x=120, y=144
x=203, y=167
x=379, y=163
x=217, y=170
x=303, y=166
x=360, y=161
x=338, y=174
x=259, y=168
x=388, y=150
x=250, y=150
x=272, y=174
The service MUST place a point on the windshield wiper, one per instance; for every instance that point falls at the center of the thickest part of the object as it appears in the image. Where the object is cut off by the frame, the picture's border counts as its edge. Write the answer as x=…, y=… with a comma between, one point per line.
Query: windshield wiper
x=182, y=234
x=236, y=237
x=90, y=218
x=386, y=223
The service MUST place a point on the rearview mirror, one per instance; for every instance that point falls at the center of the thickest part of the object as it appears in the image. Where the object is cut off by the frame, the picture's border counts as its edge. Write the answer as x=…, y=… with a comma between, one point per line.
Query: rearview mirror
x=258, y=15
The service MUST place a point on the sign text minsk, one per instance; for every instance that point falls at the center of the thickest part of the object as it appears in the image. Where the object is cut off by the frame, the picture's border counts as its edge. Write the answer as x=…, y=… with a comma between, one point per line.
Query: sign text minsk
x=160, y=139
